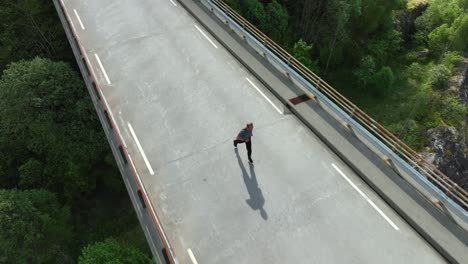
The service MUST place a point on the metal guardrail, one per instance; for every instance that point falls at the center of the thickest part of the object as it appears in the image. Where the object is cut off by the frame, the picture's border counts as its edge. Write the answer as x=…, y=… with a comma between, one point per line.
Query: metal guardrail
x=426, y=173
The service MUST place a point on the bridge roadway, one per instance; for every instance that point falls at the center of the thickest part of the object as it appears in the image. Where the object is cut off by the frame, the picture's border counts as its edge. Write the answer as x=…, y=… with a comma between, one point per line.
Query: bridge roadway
x=183, y=97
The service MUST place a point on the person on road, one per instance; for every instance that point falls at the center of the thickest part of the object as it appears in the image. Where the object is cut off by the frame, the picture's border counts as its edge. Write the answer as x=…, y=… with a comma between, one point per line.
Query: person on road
x=245, y=136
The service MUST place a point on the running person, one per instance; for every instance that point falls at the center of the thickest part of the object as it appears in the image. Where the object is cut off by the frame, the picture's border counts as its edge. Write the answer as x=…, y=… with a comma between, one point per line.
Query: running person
x=245, y=136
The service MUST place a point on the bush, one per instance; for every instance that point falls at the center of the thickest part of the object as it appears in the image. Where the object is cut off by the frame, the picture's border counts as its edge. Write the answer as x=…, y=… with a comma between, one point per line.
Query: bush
x=452, y=111
x=451, y=59
x=415, y=72
x=111, y=251
x=440, y=76
x=409, y=132
x=302, y=52
x=366, y=70
x=383, y=80
x=440, y=38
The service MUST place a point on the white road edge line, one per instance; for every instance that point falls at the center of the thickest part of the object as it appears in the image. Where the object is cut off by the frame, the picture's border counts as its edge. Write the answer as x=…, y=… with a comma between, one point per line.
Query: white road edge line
x=140, y=149
x=366, y=198
x=79, y=19
x=173, y=2
x=192, y=257
x=102, y=68
x=203, y=33
x=268, y=99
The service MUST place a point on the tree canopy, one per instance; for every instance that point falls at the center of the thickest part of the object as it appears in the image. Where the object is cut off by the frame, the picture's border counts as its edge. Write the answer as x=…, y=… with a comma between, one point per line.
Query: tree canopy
x=33, y=228
x=50, y=136
x=112, y=252
x=30, y=28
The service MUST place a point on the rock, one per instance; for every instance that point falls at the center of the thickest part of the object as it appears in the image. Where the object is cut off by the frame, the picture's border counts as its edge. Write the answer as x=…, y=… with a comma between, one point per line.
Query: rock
x=429, y=156
x=450, y=155
x=405, y=20
x=458, y=84
x=464, y=83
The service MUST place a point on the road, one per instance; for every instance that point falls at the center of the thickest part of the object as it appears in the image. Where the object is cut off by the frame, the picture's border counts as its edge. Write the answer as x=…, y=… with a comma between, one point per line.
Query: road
x=179, y=99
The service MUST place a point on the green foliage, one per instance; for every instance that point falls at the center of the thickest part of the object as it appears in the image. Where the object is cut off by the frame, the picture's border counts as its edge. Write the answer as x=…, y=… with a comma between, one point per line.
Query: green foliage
x=276, y=23
x=440, y=76
x=409, y=131
x=463, y=3
x=440, y=38
x=415, y=72
x=444, y=26
x=302, y=52
x=445, y=110
x=451, y=59
x=383, y=80
x=452, y=111
x=438, y=13
x=49, y=127
x=254, y=11
x=366, y=70
x=385, y=46
x=460, y=33
x=112, y=252
x=376, y=15
x=30, y=174
x=234, y=4
x=33, y=228
x=30, y=28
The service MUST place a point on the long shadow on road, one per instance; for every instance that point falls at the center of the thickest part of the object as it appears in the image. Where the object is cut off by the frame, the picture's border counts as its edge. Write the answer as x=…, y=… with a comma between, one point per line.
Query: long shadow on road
x=256, y=199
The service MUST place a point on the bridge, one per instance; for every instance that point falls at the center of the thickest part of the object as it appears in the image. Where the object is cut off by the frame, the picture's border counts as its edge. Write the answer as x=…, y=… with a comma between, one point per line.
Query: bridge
x=174, y=81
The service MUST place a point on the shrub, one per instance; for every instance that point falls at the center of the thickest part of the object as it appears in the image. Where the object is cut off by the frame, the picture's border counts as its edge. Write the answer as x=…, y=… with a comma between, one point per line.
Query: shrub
x=383, y=80
x=440, y=76
x=451, y=59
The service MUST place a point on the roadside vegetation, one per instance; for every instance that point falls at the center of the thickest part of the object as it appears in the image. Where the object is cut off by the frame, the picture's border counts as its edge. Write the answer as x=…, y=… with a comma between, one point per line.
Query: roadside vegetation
x=62, y=199
x=393, y=58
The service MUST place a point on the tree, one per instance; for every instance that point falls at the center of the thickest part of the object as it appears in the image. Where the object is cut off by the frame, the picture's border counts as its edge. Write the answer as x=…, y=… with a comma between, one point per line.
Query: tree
x=111, y=251
x=375, y=15
x=440, y=38
x=30, y=28
x=384, y=46
x=366, y=70
x=276, y=23
x=50, y=136
x=440, y=76
x=33, y=228
x=254, y=11
x=383, y=80
x=302, y=52
x=460, y=33
x=234, y=4
x=451, y=59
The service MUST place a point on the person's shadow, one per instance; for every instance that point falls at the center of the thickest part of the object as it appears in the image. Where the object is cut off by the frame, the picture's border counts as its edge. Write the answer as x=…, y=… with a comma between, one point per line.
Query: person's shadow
x=256, y=200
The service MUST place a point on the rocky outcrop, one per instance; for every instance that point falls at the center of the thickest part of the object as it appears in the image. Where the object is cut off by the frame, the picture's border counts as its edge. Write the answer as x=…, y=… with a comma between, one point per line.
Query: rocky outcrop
x=448, y=149
x=450, y=152
x=463, y=81
x=458, y=84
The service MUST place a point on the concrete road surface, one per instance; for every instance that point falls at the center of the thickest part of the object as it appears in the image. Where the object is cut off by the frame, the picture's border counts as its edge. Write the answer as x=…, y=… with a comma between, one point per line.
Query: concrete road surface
x=179, y=99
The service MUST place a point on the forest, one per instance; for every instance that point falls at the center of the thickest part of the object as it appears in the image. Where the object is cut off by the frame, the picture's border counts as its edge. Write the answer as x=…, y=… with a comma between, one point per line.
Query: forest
x=62, y=199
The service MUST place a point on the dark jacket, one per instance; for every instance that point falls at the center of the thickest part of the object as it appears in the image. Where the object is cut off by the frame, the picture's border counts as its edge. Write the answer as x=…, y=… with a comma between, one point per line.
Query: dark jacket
x=244, y=134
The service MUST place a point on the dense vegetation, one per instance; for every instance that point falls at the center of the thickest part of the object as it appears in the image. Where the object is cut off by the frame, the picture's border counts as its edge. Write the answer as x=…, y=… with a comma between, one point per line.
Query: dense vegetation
x=393, y=58
x=62, y=199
